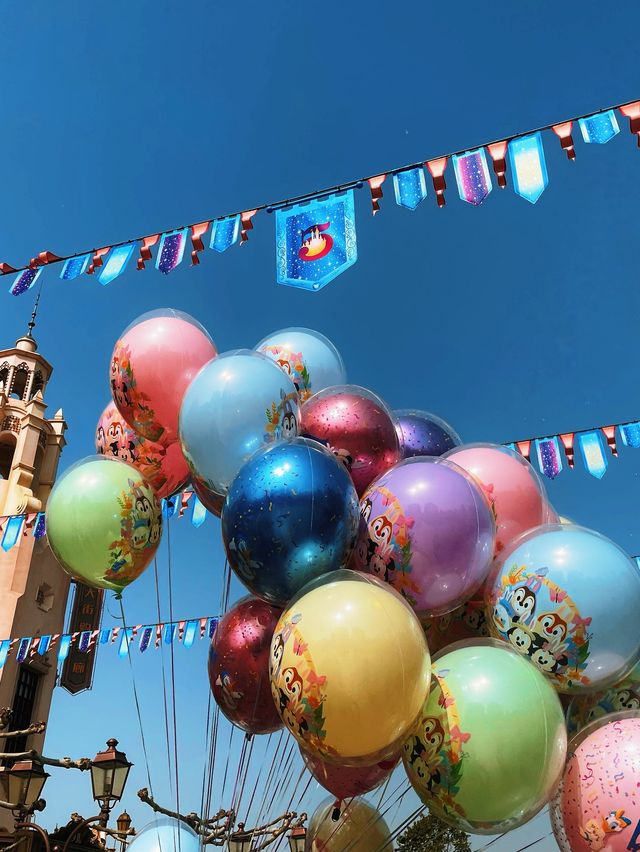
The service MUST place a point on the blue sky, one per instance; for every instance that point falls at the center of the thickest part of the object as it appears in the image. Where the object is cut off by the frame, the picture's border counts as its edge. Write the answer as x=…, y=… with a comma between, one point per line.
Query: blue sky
x=510, y=320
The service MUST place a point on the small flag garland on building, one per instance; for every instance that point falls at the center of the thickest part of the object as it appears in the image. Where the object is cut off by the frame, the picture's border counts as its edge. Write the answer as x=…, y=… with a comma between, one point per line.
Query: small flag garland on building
x=184, y=632
x=551, y=453
x=316, y=232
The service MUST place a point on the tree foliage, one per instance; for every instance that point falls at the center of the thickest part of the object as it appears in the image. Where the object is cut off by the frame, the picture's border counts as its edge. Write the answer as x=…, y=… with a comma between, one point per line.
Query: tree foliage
x=430, y=834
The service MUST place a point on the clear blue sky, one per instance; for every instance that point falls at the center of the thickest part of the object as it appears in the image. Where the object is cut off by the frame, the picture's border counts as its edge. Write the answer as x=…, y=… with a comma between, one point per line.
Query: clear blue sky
x=124, y=118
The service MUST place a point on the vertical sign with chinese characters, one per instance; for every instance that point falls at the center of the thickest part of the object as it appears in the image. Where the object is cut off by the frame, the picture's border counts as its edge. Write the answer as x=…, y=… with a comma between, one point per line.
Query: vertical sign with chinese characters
x=86, y=614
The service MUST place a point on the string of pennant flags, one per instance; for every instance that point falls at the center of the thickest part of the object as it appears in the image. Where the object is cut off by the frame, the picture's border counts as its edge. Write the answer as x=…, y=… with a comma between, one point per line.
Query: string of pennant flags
x=316, y=232
x=148, y=635
x=596, y=446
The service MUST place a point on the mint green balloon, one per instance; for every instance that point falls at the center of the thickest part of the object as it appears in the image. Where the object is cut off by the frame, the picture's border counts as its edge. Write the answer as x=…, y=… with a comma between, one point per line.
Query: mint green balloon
x=489, y=747
x=103, y=522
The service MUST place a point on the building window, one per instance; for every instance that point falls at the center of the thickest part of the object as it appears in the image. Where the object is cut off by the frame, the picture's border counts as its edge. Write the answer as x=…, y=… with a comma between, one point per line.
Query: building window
x=23, y=704
x=4, y=377
x=38, y=383
x=19, y=384
x=7, y=449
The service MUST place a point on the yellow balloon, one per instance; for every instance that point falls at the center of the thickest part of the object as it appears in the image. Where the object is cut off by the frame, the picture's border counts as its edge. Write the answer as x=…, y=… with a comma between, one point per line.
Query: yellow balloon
x=349, y=668
x=358, y=828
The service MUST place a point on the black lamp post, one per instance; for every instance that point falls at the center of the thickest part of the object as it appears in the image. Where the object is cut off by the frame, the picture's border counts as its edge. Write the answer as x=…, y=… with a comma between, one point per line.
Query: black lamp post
x=109, y=772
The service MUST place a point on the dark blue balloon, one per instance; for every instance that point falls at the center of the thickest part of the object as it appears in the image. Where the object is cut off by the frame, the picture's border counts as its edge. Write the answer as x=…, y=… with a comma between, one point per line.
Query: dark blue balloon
x=291, y=515
x=424, y=434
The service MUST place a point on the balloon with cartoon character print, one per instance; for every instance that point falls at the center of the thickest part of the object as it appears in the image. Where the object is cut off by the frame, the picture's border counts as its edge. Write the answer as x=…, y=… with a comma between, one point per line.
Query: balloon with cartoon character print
x=431, y=533
x=357, y=426
x=163, y=466
x=153, y=362
x=489, y=746
x=239, y=666
x=515, y=491
x=308, y=357
x=350, y=669
x=355, y=827
x=103, y=522
x=291, y=515
x=584, y=709
x=598, y=805
x=548, y=598
x=346, y=782
x=423, y=434
x=239, y=403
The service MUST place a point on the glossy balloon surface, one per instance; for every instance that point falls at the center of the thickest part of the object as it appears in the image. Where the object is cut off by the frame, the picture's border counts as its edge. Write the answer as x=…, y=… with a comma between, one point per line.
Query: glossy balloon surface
x=598, y=807
x=430, y=533
x=423, y=434
x=103, y=522
x=468, y=621
x=237, y=404
x=309, y=358
x=153, y=363
x=552, y=600
x=210, y=500
x=165, y=834
x=163, y=466
x=291, y=515
x=358, y=828
x=588, y=708
x=346, y=782
x=350, y=669
x=513, y=488
x=490, y=744
x=239, y=666
x=357, y=426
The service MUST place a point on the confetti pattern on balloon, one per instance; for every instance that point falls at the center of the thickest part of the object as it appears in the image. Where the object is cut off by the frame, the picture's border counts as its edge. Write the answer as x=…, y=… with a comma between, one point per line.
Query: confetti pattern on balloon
x=600, y=796
x=424, y=434
x=171, y=251
x=472, y=176
x=410, y=188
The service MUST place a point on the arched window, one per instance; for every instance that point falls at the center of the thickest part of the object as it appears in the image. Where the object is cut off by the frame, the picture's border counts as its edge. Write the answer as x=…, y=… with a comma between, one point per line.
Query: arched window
x=7, y=449
x=20, y=378
x=38, y=383
x=37, y=469
x=4, y=376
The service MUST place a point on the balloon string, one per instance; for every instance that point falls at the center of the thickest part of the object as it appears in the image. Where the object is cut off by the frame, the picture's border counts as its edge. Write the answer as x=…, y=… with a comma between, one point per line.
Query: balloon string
x=176, y=764
x=269, y=780
x=205, y=768
x=257, y=780
x=226, y=765
x=288, y=808
x=164, y=678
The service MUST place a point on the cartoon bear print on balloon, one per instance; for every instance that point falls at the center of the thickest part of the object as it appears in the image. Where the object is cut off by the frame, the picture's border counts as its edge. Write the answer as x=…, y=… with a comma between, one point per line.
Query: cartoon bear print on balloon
x=140, y=528
x=543, y=623
x=298, y=690
x=388, y=549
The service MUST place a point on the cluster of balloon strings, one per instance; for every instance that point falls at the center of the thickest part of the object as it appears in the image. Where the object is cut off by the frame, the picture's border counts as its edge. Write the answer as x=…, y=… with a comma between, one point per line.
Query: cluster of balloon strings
x=369, y=540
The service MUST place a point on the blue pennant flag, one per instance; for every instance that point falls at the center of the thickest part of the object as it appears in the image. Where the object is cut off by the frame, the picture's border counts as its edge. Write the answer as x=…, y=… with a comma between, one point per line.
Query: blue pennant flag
x=63, y=650
x=105, y=636
x=39, y=528
x=316, y=241
x=529, y=167
x=549, y=456
x=43, y=644
x=84, y=641
x=125, y=640
x=12, y=532
x=23, y=650
x=410, y=188
x=169, y=633
x=170, y=506
x=213, y=623
x=630, y=434
x=224, y=233
x=599, y=128
x=116, y=263
x=593, y=453
x=24, y=281
x=74, y=267
x=145, y=639
x=171, y=250
x=199, y=514
x=4, y=650
x=189, y=633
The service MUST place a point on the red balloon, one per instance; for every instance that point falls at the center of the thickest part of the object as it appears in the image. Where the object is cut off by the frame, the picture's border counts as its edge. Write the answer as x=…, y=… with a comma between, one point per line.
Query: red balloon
x=239, y=666
x=164, y=467
x=357, y=426
x=211, y=500
x=345, y=782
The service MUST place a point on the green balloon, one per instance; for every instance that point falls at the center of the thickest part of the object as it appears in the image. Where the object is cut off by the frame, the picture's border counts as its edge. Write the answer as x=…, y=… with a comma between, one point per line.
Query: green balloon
x=490, y=745
x=103, y=522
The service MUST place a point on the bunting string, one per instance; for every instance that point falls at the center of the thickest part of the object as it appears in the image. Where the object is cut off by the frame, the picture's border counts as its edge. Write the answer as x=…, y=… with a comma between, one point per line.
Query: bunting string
x=521, y=154
x=552, y=454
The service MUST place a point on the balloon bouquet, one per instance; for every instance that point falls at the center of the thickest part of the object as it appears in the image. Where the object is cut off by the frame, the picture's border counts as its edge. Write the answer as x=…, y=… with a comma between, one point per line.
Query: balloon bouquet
x=368, y=540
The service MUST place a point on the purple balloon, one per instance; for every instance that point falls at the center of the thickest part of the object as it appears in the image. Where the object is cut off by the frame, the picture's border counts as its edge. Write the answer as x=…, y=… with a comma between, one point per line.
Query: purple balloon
x=428, y=530
x=424, y=434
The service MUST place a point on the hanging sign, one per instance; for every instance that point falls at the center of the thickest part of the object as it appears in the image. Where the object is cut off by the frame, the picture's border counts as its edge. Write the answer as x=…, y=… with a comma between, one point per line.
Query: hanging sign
x=86, y=614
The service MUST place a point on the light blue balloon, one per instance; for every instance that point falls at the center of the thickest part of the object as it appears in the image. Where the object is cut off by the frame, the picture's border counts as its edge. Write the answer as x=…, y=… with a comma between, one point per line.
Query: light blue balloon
x=239, y=402
x=568, y=599
x=308, y=357
x=165, y=835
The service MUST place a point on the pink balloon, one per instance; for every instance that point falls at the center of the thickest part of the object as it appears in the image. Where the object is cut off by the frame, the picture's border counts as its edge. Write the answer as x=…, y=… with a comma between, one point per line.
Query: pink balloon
x=514, y=489
x=152, y=365
x=345, y=782
x=598, y=806
x=164, y=467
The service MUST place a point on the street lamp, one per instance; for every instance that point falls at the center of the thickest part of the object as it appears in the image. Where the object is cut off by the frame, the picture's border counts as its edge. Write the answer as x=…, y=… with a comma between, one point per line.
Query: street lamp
x=26, y=778
x=240, y=840
x=297, y=838
x=109, y=772
x=123, y=823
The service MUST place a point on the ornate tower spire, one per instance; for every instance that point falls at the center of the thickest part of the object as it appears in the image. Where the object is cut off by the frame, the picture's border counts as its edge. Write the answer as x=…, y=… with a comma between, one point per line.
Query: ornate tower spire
x=32, y=322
